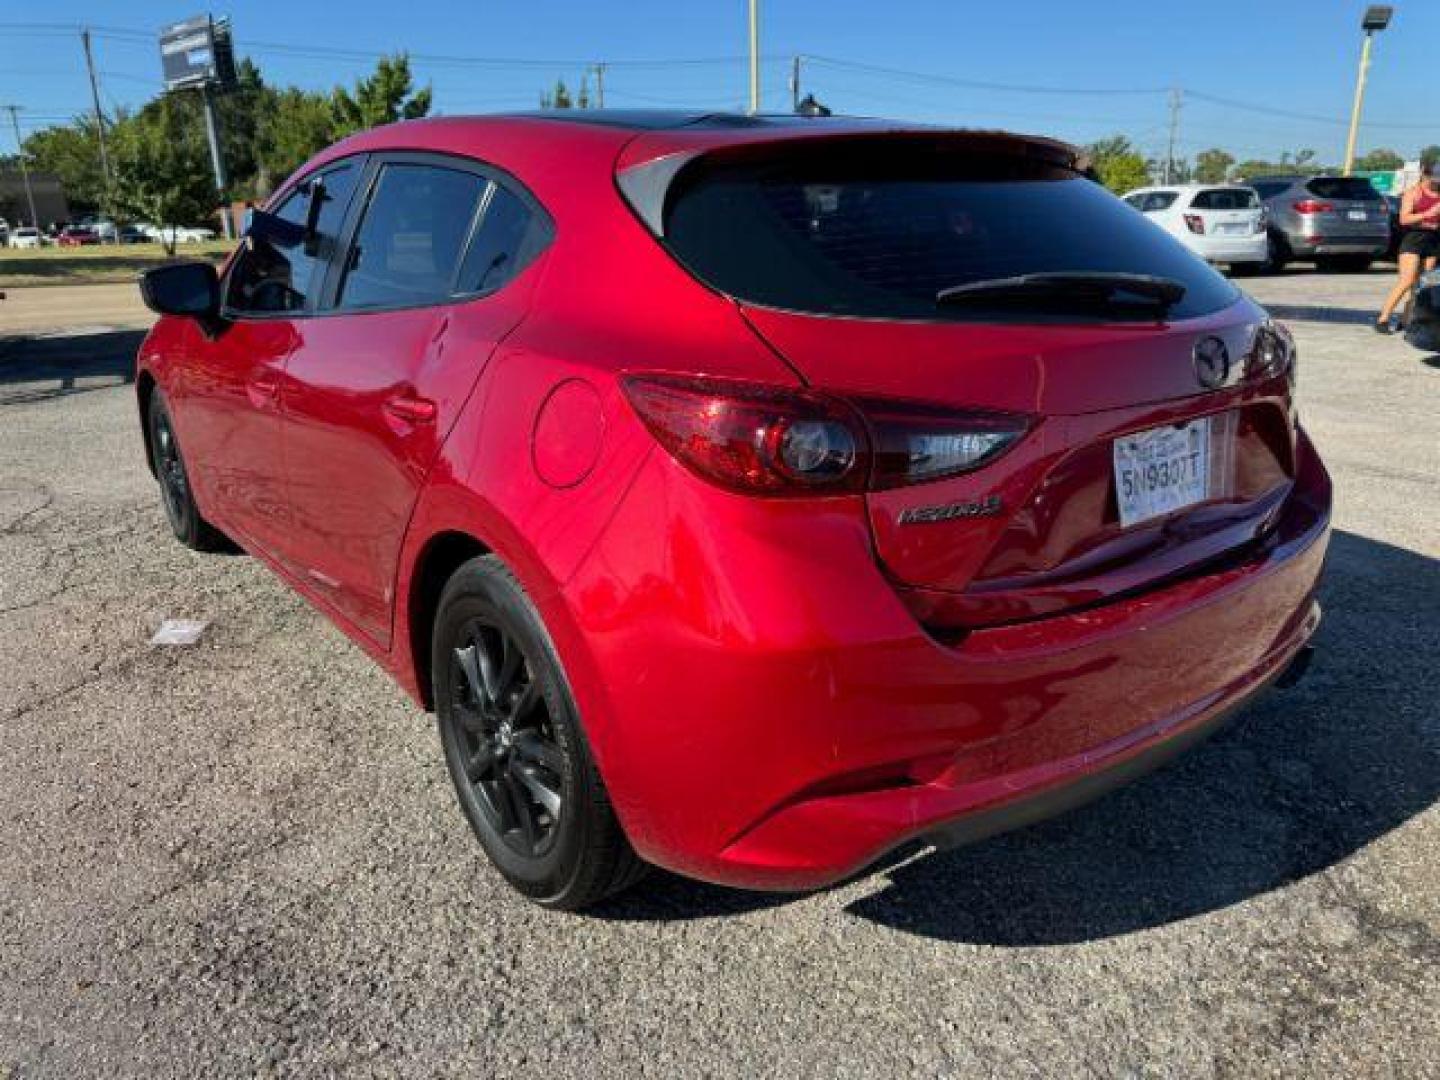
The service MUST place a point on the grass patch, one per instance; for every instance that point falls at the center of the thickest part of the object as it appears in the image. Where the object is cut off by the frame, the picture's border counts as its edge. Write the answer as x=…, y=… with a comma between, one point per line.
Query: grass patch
x=97, y=265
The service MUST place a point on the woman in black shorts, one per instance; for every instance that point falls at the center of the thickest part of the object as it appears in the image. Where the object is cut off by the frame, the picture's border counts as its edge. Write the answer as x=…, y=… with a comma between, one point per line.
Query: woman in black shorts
x=1420, y=244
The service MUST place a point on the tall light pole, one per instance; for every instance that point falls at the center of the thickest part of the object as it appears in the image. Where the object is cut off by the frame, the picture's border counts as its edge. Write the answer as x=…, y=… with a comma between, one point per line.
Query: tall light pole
x=754, y=56
x=1377, y=17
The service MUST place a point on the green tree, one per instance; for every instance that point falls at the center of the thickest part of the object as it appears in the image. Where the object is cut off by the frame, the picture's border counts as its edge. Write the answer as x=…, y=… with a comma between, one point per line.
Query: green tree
x=71, y=152
x=1430, y=155
x=295, y=125
x=559, y=98
x=1380, y=160
x=383, y=98
x=1212, y=166
x=162, y=166
x=1117, y=164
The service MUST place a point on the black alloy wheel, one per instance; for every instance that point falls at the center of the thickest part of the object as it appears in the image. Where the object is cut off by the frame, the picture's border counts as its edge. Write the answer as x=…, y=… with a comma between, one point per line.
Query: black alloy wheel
x=512, y=761
x=176, y=492
x=515, y=747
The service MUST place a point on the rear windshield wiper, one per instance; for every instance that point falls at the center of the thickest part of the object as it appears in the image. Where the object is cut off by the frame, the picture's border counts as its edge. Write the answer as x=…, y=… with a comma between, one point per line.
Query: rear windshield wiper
x=1066, y=285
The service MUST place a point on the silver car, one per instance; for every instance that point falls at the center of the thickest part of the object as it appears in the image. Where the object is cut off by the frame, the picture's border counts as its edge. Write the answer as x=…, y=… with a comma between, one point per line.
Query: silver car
x=1338, y=222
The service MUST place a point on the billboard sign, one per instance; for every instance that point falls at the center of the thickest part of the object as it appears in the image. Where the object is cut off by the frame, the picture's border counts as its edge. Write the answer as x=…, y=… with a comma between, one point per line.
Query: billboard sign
x=197, y=52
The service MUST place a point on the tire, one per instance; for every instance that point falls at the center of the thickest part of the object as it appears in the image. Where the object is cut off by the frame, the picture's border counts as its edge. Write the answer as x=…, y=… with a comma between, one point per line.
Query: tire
x=513, y=743
x=176, y=493
x=1277, y=254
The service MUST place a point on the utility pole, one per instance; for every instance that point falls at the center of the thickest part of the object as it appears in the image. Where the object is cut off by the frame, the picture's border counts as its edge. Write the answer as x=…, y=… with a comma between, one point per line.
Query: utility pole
x=212, y=133
x=99, y=116
x=14, y=111
x=599, y=86
x=754, y=56
x=1175, y=102
x=795, y=85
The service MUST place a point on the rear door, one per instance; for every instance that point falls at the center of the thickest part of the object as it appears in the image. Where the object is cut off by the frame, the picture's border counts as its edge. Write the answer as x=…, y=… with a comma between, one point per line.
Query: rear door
x=848, y=264
x=413, y=310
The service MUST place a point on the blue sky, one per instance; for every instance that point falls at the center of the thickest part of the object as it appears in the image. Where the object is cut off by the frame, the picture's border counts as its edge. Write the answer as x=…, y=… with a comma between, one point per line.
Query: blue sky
x=1093, y=68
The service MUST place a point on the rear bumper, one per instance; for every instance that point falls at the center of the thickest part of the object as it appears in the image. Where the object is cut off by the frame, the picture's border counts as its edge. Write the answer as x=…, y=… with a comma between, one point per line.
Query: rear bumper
x=1374, y=244
x=1248, y=249
x=767, y=713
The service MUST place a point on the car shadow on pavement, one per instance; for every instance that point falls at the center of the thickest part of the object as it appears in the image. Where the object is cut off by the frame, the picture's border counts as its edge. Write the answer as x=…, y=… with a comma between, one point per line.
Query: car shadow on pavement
x=1302, y=779
x=34, y=367
x=1323, y=313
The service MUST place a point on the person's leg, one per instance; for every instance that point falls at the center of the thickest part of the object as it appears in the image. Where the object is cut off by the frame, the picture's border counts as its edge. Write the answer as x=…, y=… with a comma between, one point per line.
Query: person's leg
x=1409, y=272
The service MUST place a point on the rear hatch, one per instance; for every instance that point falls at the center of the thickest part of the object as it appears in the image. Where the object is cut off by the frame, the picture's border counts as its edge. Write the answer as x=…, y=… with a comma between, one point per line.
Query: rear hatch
x=870, y=269
x=1225, y=213
x=1345, y=206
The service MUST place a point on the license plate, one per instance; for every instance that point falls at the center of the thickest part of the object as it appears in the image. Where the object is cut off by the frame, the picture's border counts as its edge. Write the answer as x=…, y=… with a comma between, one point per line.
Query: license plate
x=1356, y=215
x=1162, y=470
x=1230, y=228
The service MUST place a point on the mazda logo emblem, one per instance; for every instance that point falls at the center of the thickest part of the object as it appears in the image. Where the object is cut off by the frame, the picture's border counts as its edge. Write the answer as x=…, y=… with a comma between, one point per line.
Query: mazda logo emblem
x=1212, y=362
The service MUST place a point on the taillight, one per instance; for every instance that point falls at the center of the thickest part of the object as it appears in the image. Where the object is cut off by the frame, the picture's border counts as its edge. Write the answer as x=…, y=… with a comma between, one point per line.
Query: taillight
x=1195, y=223
x=912, y=444
x=764, y=440
x=1272, y=352
x=1312, y=206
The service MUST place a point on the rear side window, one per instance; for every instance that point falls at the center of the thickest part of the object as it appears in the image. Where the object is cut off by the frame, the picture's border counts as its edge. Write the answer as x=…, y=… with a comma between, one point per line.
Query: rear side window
x=880, y=235
x=1159, y=200
x=1225, y=199
x=1355, y=188
x=409, y=242
x=504, y=240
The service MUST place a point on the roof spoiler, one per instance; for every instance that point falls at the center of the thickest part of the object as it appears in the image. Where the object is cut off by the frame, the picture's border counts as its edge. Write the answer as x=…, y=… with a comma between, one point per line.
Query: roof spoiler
x=647, y=186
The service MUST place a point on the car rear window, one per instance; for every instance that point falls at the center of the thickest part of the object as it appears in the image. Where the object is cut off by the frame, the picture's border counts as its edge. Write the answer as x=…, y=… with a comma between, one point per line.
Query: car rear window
x=1225, y=199
x=1356, y=188
x=878, y=235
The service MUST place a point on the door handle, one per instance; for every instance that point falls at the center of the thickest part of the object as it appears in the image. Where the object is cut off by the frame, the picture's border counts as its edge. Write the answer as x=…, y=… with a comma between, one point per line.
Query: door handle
x=409, y=409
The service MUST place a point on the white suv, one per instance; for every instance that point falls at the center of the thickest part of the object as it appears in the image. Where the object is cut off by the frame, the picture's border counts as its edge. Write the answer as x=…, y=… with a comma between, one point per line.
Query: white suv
x=1223, y=223
x=25, y=237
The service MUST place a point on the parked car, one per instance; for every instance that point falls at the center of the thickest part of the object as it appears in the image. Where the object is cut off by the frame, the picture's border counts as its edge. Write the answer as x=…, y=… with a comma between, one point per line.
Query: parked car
x=76, y=237
x=1422, y=328
x=25, y=236
x=748, y=497
x=1222, y=223
x=4, y=232
x=1392, y=213
x=1337, y=222
x=133, y=234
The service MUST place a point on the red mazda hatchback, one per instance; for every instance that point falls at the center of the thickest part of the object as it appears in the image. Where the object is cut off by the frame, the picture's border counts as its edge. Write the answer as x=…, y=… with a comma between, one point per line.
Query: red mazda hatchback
x=748, y=496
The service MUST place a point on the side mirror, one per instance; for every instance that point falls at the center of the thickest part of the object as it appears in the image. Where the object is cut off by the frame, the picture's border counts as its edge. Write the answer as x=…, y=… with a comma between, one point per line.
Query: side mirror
x=187, y=289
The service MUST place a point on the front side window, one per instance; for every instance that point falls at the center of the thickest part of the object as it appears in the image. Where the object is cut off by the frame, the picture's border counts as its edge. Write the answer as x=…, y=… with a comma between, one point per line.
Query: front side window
x=276, y=274
x=410, y=240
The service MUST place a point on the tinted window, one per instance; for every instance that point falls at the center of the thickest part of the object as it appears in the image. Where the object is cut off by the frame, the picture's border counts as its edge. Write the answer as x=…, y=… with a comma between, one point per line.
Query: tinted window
x=274, y=275
x=409, y=241
x=1160, y=200
x=1225, y=199
x=499, y=249
x=1343, y=187
x=879, y=235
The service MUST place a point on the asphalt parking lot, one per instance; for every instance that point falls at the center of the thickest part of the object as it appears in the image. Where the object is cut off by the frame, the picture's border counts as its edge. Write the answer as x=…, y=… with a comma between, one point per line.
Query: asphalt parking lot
x=244, y=857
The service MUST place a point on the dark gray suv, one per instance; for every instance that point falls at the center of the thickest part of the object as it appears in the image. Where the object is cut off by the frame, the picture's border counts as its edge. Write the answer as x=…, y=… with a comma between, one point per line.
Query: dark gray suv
x=1338, y=222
